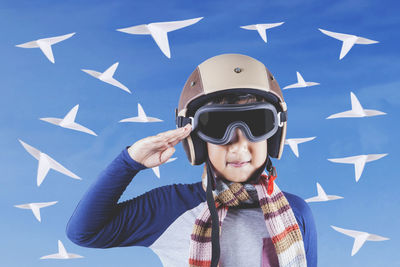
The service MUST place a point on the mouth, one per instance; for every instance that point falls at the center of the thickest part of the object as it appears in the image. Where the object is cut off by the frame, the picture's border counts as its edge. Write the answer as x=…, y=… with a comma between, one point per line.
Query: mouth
x=238, y=164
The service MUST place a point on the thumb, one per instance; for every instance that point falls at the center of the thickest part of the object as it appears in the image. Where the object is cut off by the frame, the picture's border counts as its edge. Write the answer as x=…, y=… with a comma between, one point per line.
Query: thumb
x=167, y=154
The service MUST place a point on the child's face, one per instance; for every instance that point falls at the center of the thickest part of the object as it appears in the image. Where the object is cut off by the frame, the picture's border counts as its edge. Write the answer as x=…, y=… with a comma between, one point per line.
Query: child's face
x=239, y=159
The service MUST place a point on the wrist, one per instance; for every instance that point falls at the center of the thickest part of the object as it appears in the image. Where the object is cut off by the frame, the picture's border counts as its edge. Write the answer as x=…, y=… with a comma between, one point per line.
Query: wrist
x=135, y=163
x=130, y=152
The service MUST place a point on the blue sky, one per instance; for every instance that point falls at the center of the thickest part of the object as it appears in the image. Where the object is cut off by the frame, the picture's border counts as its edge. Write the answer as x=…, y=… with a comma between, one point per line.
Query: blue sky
x=32, y=88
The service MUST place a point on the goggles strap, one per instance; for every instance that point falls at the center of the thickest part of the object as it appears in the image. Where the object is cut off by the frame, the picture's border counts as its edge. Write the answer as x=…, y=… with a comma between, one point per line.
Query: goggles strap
x=283, y=116
x=181, y=121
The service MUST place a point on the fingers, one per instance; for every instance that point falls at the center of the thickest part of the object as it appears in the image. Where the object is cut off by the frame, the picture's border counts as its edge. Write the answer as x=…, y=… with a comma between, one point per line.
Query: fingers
x=158, y=146
x=176, y=139
x=172, y=137
x=167, y=154
x=172, y=141
x=158, y=143
x=174, y=133
x=180, y=138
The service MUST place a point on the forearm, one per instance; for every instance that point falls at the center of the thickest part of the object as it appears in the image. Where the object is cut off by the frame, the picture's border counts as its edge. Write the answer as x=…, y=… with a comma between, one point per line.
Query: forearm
x=99, y=205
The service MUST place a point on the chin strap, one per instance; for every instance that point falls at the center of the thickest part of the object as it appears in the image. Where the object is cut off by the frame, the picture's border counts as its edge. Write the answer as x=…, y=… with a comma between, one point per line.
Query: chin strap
x=213, y=210
x=214, y=216
x=271, y=176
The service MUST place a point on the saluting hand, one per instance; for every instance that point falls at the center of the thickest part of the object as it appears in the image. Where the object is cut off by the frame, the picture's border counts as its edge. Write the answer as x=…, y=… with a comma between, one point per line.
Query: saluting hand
x=155, y=150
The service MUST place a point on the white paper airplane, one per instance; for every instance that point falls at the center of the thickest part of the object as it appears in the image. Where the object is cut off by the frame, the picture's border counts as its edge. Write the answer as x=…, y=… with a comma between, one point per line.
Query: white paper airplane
x=359, y=238
x=45, y=44
x=35, y=207
x=46, y=163
x=348, y=40
x=142, y=117
x=69, y=122
x=156, y=169
x=62, y=254
x=322, y=196
x=107, y=76
x=359, y=162
x=293, y=143
x=300, y=83
x=357, y=111
x=159, y=30
x=261, y=28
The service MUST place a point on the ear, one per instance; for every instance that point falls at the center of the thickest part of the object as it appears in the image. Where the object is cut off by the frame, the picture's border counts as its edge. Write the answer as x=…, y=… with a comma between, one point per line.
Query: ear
x=195, y=148
x=200, y=150
x=273, y=144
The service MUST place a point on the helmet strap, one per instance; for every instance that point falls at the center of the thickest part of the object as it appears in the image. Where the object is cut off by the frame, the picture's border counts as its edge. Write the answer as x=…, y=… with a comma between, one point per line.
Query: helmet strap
x=214, y=216
x=215, y=242
x=271, y=176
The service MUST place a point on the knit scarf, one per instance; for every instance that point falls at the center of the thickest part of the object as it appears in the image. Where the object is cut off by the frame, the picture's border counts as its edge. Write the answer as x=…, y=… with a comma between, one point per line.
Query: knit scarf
x=279, y=219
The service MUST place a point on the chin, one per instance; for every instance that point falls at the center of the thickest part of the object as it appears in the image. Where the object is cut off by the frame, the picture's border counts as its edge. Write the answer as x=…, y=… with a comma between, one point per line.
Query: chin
x=237, y=178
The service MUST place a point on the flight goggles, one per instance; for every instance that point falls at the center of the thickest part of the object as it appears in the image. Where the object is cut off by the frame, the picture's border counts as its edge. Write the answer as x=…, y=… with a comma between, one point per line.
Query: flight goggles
x=216, y=123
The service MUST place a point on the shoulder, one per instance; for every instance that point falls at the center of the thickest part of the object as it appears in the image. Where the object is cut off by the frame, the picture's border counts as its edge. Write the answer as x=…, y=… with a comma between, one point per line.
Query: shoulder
x=306, y=223
x=301, y=210
x=297, y=203
x=189, y=195
x=195, y=189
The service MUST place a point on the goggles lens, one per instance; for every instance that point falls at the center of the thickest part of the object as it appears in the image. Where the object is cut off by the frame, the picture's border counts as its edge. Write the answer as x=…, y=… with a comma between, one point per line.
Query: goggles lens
x=215, y=122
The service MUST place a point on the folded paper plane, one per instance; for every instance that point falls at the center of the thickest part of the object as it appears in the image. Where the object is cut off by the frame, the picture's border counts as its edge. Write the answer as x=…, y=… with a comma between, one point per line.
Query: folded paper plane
x=159, y=31
x=69, y=122
x=359, y=238
x=45, y=45
x=156, y=169
x=262, y=28
x=348, y=41
x=294, y=142
x=46, y=163
x=35, y=207
x=359, y=162
x=142, y=117
x=62, y=254
x=357, y=111
x=300, y=83
x=322, y=196
x=107, y=76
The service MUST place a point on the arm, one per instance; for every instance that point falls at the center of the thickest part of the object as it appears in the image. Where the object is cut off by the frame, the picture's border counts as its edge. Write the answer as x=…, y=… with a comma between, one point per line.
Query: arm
x=309, y=236
x=306, y=223
x=100, y=221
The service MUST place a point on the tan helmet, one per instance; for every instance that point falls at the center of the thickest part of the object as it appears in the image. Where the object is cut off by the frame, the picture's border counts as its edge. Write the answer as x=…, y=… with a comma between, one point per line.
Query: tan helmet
x=222, y=74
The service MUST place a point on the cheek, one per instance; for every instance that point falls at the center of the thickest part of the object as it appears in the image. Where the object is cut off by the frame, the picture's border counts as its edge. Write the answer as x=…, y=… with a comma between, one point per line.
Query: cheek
x=259, y=153
x=217, y=155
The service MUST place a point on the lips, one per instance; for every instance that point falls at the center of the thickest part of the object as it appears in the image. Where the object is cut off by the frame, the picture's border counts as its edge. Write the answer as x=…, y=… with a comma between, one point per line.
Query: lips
x=238, y=164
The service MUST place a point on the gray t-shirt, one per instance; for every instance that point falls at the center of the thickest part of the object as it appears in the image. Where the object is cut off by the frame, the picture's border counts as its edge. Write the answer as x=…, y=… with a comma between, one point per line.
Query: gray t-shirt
x=244, y=236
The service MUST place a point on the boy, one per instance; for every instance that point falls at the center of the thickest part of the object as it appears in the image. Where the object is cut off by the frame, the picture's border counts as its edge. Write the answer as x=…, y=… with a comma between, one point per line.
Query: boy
x=232, y=116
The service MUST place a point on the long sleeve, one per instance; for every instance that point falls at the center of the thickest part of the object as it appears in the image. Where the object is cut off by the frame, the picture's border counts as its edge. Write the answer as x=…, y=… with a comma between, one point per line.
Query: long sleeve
x=306, y=223
x=100, y=221
x=310, y=237
x=99, y=204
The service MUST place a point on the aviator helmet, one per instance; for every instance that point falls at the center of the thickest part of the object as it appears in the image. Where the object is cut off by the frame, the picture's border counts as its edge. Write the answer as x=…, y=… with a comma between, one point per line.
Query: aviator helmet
x=231, y=74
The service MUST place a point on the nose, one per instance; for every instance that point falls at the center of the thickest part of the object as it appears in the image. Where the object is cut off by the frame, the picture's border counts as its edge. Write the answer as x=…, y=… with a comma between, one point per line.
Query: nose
x=238, y=141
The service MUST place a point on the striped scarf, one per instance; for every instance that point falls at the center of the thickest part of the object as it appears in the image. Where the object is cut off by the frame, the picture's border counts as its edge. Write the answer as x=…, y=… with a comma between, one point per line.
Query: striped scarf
x=279, y=219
